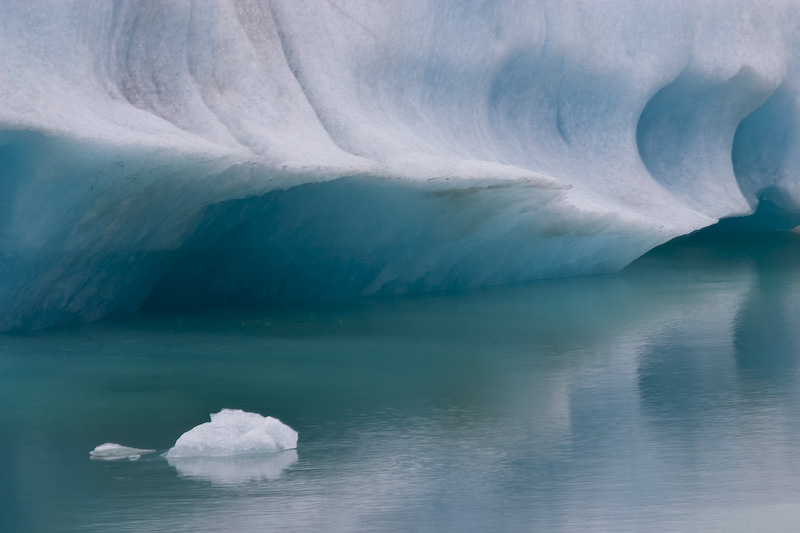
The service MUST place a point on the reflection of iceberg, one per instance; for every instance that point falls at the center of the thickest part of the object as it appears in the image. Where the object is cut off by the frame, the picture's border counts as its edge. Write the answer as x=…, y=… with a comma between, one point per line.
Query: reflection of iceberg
x=233, y=432
x=234, y=470
x=114, y=452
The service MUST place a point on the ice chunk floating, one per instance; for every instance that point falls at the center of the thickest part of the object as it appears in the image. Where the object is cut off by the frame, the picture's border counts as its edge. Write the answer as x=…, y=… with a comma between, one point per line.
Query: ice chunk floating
x=159, y=153
x=233, y=432
x=114, y=452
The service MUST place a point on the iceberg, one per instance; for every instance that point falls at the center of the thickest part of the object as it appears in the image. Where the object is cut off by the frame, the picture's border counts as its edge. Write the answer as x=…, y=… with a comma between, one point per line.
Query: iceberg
x=233, y=432
x=243, y=151
x=115, y=452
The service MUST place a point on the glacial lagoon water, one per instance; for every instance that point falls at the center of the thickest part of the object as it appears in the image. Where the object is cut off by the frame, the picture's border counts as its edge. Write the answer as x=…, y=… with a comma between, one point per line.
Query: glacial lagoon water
x=663, y=398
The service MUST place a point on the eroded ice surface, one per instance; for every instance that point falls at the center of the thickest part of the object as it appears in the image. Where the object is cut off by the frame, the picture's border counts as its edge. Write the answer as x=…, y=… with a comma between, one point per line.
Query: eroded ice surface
x=233, y=432
x=114, y=452
x=246, y=151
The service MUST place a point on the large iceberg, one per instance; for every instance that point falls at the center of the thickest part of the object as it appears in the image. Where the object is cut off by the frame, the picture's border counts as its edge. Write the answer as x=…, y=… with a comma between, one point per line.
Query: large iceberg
x=182, y=152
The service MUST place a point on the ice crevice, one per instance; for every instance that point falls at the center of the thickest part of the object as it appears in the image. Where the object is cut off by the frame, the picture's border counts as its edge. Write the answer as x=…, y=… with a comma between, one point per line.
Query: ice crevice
x=685, y=138
x=243, y=151
x=765, y=152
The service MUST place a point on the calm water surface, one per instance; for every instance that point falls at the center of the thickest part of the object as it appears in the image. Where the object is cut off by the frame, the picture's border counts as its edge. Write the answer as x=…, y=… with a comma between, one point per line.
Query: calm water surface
x=664, y=398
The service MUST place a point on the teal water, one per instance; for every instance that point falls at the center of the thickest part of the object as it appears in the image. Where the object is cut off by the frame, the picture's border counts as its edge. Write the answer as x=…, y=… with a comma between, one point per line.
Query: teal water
x=664, y=398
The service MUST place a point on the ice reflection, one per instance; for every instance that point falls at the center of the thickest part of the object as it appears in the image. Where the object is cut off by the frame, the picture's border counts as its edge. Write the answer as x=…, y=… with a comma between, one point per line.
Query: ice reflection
x=234, y=470
x=766, y=335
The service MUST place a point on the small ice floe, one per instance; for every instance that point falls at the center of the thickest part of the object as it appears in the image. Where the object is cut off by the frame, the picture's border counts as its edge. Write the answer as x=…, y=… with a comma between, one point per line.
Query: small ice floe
x=235, y=447
x=114, y=452
x=233, y=432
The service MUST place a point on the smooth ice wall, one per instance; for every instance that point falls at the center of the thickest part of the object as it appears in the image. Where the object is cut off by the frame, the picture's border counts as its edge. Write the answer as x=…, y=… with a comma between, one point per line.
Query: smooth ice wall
x=236, y=152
